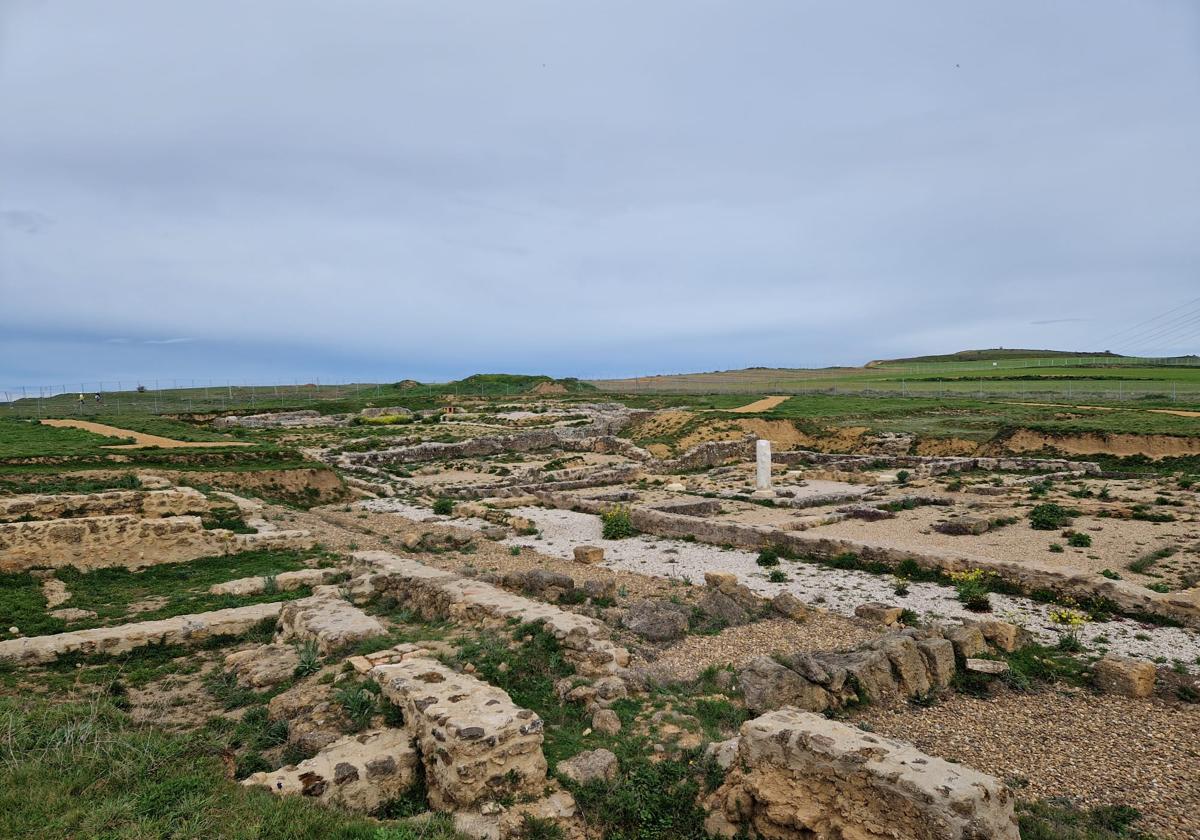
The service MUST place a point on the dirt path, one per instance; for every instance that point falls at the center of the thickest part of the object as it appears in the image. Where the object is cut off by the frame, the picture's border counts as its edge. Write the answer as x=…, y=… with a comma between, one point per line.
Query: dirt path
x=1178, y=412
x=765, y=404
x=140, y=439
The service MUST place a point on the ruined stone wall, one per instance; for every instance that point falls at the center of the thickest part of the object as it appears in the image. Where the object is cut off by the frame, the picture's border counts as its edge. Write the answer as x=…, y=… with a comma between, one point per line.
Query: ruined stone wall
x=180, y=630
x=176, y=501
x=476, y=745
x=437, y=594
x=799, y=776
x=126, y=540
x=934, y=465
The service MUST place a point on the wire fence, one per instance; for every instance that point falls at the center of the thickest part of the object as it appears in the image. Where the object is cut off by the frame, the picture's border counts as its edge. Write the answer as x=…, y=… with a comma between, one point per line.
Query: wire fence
x=168, y=396
x=213, y=396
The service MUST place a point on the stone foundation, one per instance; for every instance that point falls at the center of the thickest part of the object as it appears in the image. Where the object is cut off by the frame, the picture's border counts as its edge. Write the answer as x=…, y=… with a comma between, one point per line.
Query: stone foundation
x=798, y=776
x=328, y=620
x=177, y=501
x=438, y=594
x=127, y=540
x=180, y=630
x=476, y=745
x=359, y=772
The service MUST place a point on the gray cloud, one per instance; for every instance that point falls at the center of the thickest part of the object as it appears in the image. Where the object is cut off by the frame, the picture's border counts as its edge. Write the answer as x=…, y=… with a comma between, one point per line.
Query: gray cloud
x=587, y=188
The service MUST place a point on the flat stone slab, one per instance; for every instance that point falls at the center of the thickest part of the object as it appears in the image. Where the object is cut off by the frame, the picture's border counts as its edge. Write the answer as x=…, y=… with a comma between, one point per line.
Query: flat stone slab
x=359, y=772
x=476, y=744
x=264, y=665
x=180, y=630
x=284, y=581
x=798, y=774
x=328, y=620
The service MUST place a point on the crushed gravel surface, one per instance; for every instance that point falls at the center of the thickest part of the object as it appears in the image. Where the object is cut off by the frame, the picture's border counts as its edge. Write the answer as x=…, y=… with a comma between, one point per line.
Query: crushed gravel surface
x=1096, y=750
x=735, y=645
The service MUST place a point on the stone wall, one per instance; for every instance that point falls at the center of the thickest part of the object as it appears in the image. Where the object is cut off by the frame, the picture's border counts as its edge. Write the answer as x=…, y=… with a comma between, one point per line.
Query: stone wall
x=438, y=594
x=279, y=419
x=180, y=630
x=910, y=663
x=126, y=540
x=799, y=776
x=935, y=465
x=177, y=501
x=605, y=422
x=476, y=745
x=358, y=772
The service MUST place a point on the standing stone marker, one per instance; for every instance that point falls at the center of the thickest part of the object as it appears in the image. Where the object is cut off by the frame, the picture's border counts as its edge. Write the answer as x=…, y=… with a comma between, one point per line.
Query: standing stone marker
x=762, y=478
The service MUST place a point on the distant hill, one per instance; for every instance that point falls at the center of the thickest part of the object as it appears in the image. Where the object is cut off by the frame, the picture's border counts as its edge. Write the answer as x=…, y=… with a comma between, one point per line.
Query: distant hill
x=995, y=354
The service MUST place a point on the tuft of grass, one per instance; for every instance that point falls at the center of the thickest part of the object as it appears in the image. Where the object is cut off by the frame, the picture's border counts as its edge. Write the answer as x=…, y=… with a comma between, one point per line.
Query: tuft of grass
x=1058, y=820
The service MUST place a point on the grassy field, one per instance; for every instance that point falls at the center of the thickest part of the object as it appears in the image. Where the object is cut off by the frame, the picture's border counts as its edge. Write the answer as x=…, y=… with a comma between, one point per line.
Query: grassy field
x=1059, y=376
x=327, y=399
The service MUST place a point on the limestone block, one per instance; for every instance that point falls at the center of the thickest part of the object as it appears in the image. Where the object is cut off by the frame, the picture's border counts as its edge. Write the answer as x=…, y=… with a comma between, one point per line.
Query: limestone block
x=588, y=554
x=475, y=743
x=879, y=614
x=799, y=775
x=1127, y=677
x=358, y=772
x=328, y=620
x=590, y=766
x=264, y=665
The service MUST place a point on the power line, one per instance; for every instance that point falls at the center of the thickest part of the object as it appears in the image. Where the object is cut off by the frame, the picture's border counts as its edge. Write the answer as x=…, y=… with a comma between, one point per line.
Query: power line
x=1130, y=333
x=1168, y=332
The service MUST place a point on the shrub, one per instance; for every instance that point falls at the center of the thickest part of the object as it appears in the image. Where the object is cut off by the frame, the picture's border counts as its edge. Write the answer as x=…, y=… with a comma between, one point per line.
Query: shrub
x=768, y=557
x=1056, y=548
x=903, y=476
x=1075, y=539
x=1048, y=517
x=777, y=576
x=972, y=589
x=443, y=506
x=617, y=524
x=1110, y=574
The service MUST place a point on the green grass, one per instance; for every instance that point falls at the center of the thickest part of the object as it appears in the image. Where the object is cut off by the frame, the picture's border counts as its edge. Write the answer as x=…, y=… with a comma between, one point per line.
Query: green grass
x=22, y=606
x=85, y=770
x=28, y=439
x=109, y=592
x=1055, y=820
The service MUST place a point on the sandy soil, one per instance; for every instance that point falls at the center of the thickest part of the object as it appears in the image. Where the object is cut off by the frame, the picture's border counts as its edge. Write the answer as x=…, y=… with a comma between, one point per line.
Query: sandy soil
x=1098, y=750
x=1152, y=446
x=765, y=404
x=141, y=439
x=1115, y=542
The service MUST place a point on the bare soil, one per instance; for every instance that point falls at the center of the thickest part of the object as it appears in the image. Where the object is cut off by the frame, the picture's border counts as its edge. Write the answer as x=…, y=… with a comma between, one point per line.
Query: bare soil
x=141, y=439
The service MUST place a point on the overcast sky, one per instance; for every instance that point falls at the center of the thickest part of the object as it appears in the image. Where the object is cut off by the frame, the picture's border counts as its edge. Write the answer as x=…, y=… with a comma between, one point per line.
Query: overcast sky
x=281, y=189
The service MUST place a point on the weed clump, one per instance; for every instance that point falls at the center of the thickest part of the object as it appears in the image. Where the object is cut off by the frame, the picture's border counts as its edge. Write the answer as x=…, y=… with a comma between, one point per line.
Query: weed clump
x=617, y=523
x=1049, y=517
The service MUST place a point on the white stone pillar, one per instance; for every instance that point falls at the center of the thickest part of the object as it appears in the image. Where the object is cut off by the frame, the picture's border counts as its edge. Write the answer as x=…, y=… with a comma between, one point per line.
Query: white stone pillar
x=762, y=452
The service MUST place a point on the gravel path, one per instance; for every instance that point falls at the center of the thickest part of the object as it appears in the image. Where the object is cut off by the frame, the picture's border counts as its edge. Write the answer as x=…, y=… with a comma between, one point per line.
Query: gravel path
x=838, y=590
x=1098, y=750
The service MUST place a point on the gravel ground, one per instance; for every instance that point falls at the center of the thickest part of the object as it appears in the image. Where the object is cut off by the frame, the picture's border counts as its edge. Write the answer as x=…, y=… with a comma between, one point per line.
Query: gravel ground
x=822, y=631
x=838, y=590
x=1098, y=750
